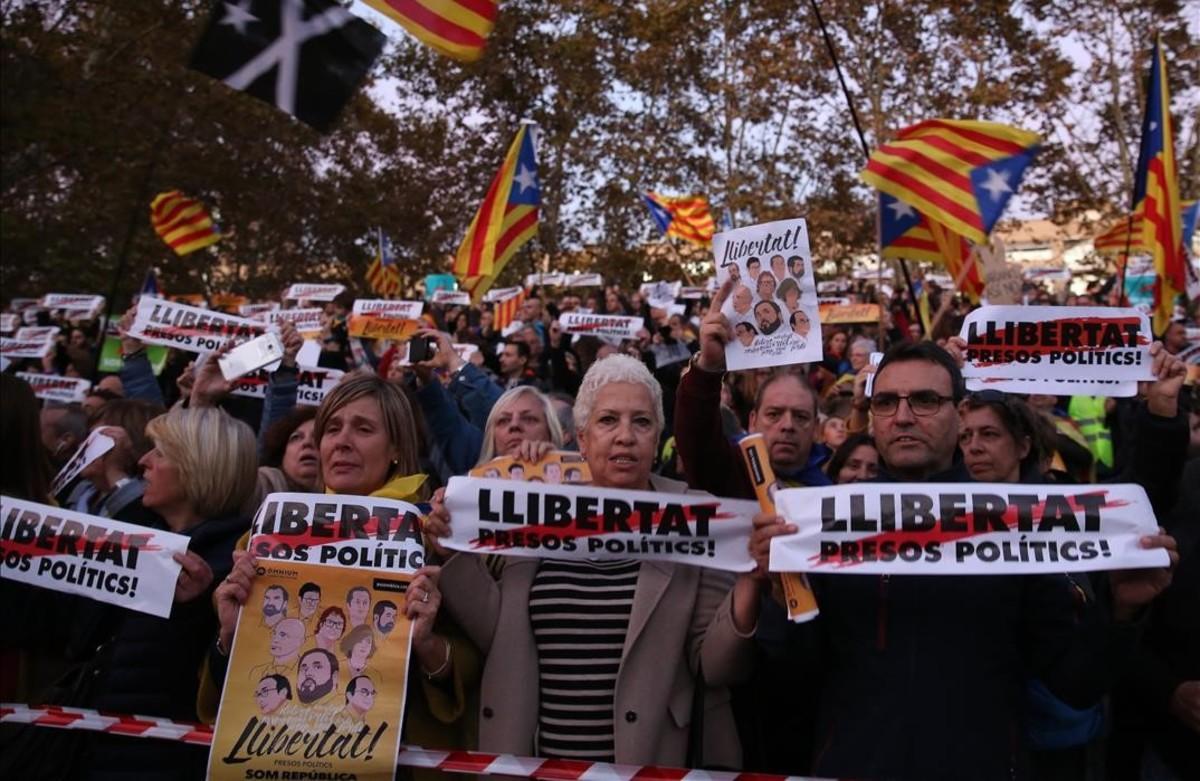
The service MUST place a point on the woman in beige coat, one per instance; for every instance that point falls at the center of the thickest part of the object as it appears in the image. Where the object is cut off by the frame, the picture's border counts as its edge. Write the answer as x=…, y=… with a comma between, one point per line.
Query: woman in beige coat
x=599, y=660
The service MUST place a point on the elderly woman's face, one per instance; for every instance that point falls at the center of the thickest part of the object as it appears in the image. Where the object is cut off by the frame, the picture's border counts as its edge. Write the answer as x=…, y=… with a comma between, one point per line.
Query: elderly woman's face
x=164, y=484
x=356, y=453
x=522, y=419
x=620, y=436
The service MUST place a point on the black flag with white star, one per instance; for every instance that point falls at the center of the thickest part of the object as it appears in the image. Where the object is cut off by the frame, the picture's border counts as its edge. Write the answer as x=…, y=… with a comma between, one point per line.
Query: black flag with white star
x=306, y=57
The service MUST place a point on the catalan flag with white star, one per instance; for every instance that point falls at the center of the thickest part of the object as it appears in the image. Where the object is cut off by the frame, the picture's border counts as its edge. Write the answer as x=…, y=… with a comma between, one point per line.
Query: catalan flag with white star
x=685, y=216
x=383, y=275
x=1156, y=195
x=507, y=218
x=959, y=173
x=182, y=222
x=907, y=234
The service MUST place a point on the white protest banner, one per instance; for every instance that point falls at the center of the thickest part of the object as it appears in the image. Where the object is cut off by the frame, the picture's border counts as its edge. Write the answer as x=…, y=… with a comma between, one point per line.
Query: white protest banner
x=21, y=304
x=54, y=388
x=558, y=521
x=251, y=310
x=96, y=445
x=502, y=293
x=109, y=561
x=869, y=386
x=189, y=328
x=693, y=292
x=305, y=292
x=584, y=280
x=25, y=348
x=601, y=325
x=307, y=321
x=37, y=333
x=833, y=301
x=1059, y=387
x=9, y=323
x=773, y=304
x=964, y=529
x=314, y=384
x=1055, y=343
x=75, y=303
x=554, y=278
x=392, y=310
x=368, y=532
x=452, y=297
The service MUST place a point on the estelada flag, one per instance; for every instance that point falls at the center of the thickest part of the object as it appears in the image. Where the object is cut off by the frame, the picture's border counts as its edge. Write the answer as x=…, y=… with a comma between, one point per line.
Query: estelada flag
x=182, y=222
x=507, y=218
x=685, y=216
x=455, y=28
x=383, y=275
x=960, y=173
x=1156, y=195
x=906, y=233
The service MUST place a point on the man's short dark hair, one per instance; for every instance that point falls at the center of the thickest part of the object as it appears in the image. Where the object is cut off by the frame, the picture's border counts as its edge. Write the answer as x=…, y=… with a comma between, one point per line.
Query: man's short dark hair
x=333, y=662
x=522, y=347
x=350, y=594
x=278, y=588
x=516, y=466
x=308, y=587
x=929, y=352
x=281, y=683
x=350, y=687
x=782, y=374
x=383, y=605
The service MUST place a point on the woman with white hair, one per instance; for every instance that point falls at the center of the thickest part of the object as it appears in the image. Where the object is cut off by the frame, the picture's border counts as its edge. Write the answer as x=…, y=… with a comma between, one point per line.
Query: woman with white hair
x=614, y=646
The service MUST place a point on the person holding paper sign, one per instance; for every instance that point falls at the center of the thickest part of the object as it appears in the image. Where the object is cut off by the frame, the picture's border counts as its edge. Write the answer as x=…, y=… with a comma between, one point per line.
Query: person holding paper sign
x=936, y=639
x=597, y=660
x=368, y=444
x=197, y=475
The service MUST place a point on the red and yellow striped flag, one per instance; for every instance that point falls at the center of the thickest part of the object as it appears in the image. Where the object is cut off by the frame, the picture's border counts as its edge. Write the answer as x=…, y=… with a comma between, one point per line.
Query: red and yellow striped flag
x=456, y=28
x=1156, y=195
x=905, y=233
x=507, y=218
x=685, y=216
x=1125, y=236
x=960, y=173
x=182, y=222
x=505, y=310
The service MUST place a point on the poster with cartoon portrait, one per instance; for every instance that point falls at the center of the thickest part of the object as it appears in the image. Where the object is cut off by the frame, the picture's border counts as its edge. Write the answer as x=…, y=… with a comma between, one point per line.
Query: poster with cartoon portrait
x=557, y=466
x=317, y=675
x=773, y=304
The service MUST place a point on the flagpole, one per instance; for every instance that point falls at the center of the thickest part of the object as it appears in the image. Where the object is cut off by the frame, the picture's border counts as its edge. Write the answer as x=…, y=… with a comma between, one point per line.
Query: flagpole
x=1125, y=265
x=862, y=139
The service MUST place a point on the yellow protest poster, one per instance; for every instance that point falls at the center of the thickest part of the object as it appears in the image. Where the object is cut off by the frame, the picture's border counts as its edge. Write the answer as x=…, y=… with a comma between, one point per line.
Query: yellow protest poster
x=373, y=327
x=557, y=466
x=317, y=675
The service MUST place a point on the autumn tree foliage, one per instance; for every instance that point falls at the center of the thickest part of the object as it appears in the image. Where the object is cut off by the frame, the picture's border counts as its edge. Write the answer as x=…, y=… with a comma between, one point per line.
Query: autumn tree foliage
x=735, y=100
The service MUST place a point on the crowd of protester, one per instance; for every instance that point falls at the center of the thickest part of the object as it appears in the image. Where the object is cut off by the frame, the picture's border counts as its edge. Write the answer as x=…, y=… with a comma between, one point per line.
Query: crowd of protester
x=1047, y=677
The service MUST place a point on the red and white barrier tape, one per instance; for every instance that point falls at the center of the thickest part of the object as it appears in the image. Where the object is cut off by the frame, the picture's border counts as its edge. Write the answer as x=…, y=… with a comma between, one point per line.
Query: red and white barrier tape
x=410, y=756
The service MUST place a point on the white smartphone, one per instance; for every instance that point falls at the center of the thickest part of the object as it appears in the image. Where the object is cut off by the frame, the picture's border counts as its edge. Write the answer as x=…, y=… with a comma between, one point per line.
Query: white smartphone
x=254, y=354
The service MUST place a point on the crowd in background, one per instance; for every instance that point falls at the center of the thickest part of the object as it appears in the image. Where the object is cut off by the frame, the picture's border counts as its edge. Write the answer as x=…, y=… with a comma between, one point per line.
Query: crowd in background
x=1018, y=677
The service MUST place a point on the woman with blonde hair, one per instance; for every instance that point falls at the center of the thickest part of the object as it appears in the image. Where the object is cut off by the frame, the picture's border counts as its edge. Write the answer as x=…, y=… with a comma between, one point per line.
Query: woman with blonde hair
x=367, y=441
x=520, y=415
x=197, y=474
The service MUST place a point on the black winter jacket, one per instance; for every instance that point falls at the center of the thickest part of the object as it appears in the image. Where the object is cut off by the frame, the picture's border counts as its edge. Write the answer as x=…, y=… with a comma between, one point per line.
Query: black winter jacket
x=923, y=677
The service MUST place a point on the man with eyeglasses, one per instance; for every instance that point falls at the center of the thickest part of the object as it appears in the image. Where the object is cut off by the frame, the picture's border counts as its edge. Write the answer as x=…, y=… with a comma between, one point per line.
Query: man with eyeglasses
x=923, y=676
x=310, y=606
x=360, y=698
x=272, y=694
